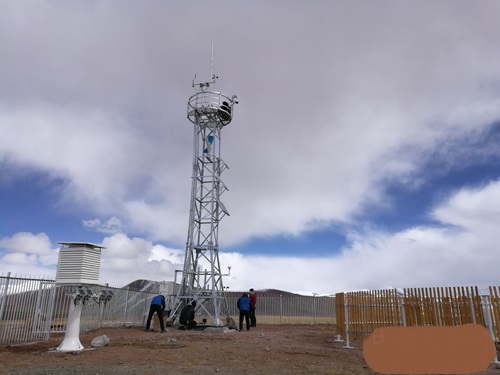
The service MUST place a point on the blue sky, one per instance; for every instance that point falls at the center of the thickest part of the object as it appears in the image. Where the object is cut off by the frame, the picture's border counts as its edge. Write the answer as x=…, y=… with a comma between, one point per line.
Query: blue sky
x=364, y=152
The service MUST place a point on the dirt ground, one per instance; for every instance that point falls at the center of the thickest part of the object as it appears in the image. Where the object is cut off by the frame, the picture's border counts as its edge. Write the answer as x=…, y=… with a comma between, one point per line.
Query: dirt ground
x=267, y=349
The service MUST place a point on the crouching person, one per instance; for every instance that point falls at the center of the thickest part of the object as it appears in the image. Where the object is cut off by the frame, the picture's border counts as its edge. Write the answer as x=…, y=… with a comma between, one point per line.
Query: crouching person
x=187, y=316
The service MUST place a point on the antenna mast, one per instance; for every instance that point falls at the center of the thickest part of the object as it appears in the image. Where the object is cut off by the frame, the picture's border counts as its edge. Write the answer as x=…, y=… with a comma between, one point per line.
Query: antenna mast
x=203, y=86
x=212, y=60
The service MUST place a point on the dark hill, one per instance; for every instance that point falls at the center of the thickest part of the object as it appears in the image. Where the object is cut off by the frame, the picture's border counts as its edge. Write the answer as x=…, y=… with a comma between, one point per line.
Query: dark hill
x=151, y=286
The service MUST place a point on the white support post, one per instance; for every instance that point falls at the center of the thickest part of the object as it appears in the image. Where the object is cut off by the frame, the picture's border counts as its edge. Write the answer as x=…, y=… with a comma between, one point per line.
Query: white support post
x=346, y=312
x=488, y=321
x=125, y=310
x=37, y=308
x=281, y=309
x=71, y=342
x=338, y=338
x=472, y=311
x=314, y=308
x=402, y=310
x=4, y=297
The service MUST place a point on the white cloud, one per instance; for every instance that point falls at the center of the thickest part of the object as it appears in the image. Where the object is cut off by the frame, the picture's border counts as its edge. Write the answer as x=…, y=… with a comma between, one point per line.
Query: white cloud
x=111, y=226
x=127, y=259
x=473, y=209
x=436, y=258
x=24, y=242
x=356, y=107
x=355, y=97
x=106, y=167
x=28, y=254
x=18, y=259
x=415, y=257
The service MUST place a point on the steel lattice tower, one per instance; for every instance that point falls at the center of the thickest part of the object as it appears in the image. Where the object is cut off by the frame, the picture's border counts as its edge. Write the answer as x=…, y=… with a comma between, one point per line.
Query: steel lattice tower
x=209, y=111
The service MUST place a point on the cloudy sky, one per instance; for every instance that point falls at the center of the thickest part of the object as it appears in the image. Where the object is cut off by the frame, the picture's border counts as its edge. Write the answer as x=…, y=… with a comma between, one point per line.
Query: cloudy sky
x=364, y=152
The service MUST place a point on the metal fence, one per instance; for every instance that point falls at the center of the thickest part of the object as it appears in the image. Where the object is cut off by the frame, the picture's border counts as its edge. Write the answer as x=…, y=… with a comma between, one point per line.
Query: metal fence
x=279, y=309
x=31, y=309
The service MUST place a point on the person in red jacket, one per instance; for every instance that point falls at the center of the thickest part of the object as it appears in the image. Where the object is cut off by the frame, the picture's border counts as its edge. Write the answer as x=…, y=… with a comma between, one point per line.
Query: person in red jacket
x=253, y=304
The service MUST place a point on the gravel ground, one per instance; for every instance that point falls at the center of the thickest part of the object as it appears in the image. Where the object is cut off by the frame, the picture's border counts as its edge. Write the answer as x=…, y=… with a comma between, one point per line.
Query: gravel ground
x=267, y=349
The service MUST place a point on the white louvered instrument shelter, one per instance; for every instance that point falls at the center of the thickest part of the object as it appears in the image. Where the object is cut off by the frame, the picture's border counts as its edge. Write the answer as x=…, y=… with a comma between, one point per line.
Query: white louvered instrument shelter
x=79, y=263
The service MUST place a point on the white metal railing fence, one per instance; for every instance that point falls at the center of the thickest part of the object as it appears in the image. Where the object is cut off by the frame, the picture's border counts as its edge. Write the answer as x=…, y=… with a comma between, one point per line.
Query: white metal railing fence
x=31, y=309
x=279, y=309
x=25, y=309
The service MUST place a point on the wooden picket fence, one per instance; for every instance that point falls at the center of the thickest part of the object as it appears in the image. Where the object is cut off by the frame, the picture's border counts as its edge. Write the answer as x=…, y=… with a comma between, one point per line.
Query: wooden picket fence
x=364, y=311
x=360, y=313
x=450, y=306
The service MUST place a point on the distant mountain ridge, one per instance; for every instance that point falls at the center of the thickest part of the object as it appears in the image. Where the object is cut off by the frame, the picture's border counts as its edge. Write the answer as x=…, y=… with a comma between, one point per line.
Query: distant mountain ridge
x=150, y=286
x=265, y=292
x=141, y=285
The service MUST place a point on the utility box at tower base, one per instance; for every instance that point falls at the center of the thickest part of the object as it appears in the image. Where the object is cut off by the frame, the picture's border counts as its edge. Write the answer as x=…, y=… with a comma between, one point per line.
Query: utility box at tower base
x=79, y=263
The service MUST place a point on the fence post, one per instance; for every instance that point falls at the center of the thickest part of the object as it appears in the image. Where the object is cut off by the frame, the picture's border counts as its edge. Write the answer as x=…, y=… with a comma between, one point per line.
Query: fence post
x=346, y=313
x=4, y=297
x=485, y=304
x=402, y=310
x=488, y=321
x=472, y=310
x=314, y=307
x=126, y=307
x=37, y=307
x=281, y=308
x=145, y=309
x=51, y=304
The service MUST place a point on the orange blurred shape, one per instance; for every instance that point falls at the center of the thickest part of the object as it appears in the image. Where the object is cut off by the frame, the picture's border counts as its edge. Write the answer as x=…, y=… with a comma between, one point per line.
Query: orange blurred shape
x=429, y=350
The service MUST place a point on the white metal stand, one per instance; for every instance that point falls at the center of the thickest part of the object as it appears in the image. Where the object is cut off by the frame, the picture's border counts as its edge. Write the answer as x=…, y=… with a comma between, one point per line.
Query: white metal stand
x=346, y=310
x=71, y=342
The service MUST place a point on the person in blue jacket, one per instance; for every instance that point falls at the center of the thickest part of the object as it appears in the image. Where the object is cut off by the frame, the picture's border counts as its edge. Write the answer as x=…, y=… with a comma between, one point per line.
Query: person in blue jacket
x=244, y=306
x=157, y=306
